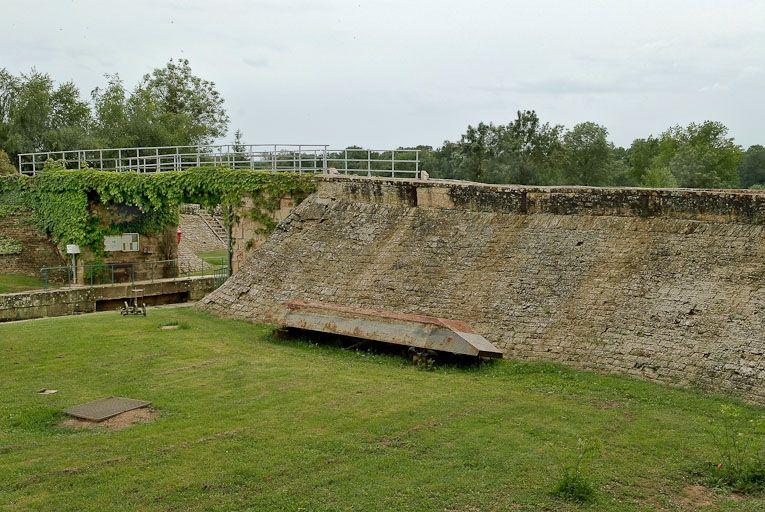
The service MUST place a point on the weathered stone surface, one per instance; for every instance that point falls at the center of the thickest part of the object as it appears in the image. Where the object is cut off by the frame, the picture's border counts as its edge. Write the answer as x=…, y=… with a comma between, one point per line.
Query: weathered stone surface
x=37, y=250
x=662, y=285
x=75, y=300
x=197, y=237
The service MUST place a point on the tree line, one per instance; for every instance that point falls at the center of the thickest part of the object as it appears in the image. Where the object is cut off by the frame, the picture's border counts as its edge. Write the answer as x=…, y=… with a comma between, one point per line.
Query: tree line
x=171, y=106
x=530, y=152
x=168, y=107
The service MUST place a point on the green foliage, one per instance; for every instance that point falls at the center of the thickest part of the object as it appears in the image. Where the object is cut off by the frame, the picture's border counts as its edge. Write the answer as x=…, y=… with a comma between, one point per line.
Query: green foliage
x=37, y=115
x=525, y=151
x=658, y=177
x=529, y=152
x=9, y=246
x=169, y=107
x=741, y=463
x=574, y=485
x=700, y=155
x=589, y=155
x=60, y=200
x=751, y=171
x=6, y=167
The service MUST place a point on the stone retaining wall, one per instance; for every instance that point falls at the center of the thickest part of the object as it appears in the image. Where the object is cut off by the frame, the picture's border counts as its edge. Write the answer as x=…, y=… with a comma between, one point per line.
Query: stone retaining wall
x=72, y=301
x=664, y=285
x=36, y=249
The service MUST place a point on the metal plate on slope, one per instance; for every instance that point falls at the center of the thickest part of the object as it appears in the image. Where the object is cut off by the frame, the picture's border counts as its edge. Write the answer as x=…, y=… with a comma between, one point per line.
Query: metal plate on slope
x=105, y=408
x=420, y=331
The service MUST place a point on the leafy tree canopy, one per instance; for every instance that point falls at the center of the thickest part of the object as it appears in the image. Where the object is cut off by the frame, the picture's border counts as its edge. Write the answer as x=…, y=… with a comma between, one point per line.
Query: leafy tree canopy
x=170, y=106
x=751, y=171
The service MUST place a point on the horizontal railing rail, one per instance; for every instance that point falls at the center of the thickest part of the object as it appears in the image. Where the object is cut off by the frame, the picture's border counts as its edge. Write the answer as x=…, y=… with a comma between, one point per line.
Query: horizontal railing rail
x=300, y=158
x=93, y=274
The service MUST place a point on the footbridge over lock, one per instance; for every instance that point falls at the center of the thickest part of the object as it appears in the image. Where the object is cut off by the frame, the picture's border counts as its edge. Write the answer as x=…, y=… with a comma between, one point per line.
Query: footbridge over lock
x=300, y=158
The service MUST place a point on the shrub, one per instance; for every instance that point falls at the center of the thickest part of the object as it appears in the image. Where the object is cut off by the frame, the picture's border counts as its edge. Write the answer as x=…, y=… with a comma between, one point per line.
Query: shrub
x=741, y=458
x=6, y=167
x=574, y=485
x=9, y=246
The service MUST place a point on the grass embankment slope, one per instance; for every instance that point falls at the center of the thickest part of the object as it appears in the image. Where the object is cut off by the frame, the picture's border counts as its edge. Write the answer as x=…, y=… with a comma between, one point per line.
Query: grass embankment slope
x=12, y=283
x=247, y=422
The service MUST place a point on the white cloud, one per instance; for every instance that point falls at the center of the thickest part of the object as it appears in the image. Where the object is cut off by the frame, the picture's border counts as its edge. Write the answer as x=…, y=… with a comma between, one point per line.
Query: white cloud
x=396, y=72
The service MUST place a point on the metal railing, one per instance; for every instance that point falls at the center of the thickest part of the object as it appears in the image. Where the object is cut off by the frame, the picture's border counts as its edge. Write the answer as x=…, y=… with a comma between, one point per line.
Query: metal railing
x=94, y=274
x=301, y=158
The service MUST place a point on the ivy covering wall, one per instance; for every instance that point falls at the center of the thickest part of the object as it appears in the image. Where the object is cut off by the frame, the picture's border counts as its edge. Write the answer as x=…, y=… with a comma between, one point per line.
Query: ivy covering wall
x=9, y=246
x=61, y=201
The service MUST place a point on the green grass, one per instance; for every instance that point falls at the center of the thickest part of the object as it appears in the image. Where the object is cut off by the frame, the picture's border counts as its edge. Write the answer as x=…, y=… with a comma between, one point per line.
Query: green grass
x=219, y=258
x=252, y=423
x=11, y=283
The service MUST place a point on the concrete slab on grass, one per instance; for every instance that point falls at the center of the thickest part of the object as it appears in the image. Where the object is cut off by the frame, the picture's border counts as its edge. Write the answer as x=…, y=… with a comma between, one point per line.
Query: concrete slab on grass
x=105, y=408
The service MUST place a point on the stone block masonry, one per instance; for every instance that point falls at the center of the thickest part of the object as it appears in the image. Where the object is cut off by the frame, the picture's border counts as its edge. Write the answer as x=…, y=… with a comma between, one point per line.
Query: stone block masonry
x=76, y=300
x=663, y=285
x=36, y=249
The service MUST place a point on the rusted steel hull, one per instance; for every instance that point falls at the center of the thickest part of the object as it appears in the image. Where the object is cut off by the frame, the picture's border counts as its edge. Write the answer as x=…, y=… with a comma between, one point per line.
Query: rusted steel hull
x=420, y=331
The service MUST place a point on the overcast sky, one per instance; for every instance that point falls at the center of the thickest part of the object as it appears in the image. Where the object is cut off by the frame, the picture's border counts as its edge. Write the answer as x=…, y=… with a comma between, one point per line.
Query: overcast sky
x=395, y=73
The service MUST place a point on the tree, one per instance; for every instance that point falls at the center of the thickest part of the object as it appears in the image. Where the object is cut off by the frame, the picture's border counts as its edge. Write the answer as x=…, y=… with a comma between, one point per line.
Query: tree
x=239, y=150
x=169, y=107
x=112, y=122
x=525, y=151
x=658, y=177
x=751, y=171
x=640, y=156
x=589, y=155
x=36, y=115
x=700, y=155
x=530, y=152
x=184, y=101
x=6, y=167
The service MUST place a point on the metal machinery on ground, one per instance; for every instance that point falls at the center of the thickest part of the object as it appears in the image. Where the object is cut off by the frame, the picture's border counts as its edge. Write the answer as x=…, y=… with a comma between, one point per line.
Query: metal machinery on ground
x=136, y=305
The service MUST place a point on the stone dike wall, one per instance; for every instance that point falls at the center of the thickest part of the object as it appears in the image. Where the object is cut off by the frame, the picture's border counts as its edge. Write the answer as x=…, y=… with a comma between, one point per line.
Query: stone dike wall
x=76, y=300
x=663, y=285
x=37, y=250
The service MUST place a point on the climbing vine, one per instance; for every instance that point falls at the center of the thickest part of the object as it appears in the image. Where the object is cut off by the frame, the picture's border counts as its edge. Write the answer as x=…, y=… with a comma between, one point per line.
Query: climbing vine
x=9, y=245
x=62, y=202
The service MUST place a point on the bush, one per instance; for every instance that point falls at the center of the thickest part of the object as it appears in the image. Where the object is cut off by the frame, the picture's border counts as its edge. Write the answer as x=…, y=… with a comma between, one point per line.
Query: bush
x=9, y=246
x=741, y=459
x=6, y=167
x=574, y=486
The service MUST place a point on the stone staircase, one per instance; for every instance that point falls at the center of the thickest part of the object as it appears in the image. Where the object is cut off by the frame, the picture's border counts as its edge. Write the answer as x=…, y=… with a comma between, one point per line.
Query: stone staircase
x=215, y=224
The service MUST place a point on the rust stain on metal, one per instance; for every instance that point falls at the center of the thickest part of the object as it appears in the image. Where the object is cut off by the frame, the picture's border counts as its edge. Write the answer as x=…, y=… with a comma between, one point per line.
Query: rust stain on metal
x=421, y=331
x=457, y=325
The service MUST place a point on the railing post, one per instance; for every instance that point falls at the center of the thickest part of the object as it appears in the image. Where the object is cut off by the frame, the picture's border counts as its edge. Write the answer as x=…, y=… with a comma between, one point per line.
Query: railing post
x=393, y=163
x=369, y=163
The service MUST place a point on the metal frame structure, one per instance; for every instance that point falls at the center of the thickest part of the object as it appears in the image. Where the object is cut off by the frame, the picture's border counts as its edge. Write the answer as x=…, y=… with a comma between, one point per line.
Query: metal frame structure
x=300, y=158
x=133, y=272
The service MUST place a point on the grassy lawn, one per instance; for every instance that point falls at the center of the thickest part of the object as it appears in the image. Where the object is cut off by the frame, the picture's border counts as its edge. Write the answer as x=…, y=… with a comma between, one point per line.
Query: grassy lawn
x=218, y=258
x=11, y=283
x=248, y=422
